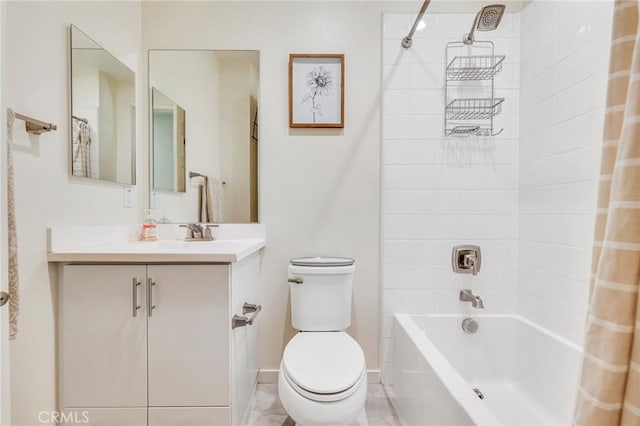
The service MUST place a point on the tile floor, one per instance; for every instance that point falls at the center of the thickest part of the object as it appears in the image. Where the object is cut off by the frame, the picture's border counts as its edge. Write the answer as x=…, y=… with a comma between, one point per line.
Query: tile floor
x=268, y=411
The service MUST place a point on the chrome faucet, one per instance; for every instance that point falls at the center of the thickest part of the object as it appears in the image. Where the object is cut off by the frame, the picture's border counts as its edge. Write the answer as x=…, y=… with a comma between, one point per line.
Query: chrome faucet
x=467, y=296
x=198, y=232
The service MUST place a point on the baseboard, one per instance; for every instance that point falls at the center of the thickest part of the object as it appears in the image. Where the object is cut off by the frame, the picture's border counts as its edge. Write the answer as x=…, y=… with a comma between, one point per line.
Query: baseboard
x=268, y=375
x=373, y=376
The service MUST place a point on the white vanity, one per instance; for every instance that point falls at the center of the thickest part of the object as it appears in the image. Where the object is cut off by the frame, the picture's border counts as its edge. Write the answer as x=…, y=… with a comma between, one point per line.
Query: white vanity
x=145, y=331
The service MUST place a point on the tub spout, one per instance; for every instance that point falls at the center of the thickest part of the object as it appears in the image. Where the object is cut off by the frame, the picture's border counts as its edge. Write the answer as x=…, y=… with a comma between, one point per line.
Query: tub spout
x=467, y=296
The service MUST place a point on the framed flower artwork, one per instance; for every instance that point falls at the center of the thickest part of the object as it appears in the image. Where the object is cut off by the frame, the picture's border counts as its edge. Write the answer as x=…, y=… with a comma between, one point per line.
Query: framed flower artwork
x=316, y=90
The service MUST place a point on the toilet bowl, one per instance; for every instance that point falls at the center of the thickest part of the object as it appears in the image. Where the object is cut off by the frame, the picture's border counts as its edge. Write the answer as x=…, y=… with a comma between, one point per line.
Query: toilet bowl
x=323, y=379
x=323, y=376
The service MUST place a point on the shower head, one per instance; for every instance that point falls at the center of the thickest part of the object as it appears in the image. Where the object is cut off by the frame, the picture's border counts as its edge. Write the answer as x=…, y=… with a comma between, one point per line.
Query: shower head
x=487, y=19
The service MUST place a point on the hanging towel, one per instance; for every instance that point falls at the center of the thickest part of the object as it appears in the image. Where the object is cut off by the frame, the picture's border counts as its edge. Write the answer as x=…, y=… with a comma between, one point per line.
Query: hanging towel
x=81, y=148
x=206, y=210
x=217, y=200
x=14, y=298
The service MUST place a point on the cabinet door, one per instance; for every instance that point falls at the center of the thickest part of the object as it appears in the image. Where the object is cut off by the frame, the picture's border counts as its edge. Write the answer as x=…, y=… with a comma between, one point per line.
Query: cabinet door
x=106, y=417
x=103, y=344
x=189, y=416
x=244, y=340
x=188, y=335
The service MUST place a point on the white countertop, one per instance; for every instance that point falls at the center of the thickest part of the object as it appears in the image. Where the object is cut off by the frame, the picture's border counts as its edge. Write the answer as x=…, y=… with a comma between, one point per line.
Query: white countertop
x=61, y=248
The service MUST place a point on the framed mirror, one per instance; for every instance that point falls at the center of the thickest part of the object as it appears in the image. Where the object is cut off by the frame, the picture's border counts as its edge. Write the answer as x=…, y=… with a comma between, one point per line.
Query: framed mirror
x=102, y=126
x=168, y=143
x=213, y=94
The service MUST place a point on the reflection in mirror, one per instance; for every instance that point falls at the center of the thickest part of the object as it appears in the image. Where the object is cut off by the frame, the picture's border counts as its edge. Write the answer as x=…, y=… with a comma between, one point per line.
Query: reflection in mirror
x=102, y=113
x=219, y=93
x=168, y=143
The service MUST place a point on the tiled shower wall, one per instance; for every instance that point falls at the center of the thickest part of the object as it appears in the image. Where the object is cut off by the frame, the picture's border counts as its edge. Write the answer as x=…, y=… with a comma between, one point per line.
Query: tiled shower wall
x=565, y=57
x=438, y=193
x=527, y=198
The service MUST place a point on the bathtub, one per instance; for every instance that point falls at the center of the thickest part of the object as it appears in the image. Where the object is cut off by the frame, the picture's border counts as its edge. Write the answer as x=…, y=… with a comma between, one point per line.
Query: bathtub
x=526, y=375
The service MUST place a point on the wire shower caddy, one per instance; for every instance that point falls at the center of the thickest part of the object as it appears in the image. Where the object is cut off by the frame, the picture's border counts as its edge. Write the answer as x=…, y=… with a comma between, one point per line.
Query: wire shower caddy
x=471, y=116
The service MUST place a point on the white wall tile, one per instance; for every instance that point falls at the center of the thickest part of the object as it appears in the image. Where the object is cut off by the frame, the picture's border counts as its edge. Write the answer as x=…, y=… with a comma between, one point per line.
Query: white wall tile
x=573, y=37
x=421, y=227
x=422, y=176
x=572, y=69
x=425, y=127
x=396, y=177
x=395, y=252
x=395, y=201
x=425, y=151
x=397, y=152
x=396, y=126
x=526, y=197
x=423, y=202
x=397, y=101
x=395, y=227
x=422, y=252
x=395, y=276
x=396, y=76
x=559, y=159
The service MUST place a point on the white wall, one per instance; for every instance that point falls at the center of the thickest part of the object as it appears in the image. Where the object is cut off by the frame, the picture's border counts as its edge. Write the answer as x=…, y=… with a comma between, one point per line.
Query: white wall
x=36, y=85
x=565, y=57
x=436, y=192
x=319, y=189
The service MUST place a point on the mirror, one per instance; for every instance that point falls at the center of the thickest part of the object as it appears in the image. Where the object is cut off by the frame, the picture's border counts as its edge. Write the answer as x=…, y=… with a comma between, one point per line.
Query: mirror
x=214, y=95
x=168, y=136
x=102, y=113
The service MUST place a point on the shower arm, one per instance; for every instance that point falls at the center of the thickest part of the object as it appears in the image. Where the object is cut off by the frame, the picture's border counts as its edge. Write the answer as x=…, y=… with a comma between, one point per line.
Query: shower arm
x=408, y=40
x=469, y=38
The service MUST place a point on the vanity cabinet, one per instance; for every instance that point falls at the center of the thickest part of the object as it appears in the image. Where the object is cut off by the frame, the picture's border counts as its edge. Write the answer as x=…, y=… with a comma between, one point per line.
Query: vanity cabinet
x=153, y=344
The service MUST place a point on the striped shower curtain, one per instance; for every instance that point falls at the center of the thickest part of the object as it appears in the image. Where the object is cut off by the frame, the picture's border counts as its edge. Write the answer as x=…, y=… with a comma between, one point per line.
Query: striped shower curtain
x=609, y=389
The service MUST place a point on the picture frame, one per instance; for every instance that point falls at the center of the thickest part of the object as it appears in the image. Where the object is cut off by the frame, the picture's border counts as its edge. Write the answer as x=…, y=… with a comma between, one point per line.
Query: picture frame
x=316, y=90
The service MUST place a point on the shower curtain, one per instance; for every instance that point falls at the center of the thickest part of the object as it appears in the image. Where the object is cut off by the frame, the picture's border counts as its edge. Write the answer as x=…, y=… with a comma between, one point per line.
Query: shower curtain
x=609, y=389
x=81, y=148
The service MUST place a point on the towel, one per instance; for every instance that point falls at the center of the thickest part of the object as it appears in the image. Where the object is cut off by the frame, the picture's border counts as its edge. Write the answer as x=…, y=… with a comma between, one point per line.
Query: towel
x=14, y=299
x=206, y=210
x=210, y=201
x=217, y=200
x=81, y=148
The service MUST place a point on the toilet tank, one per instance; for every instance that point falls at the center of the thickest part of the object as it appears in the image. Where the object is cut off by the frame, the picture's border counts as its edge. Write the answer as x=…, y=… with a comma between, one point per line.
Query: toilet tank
x=321, y=290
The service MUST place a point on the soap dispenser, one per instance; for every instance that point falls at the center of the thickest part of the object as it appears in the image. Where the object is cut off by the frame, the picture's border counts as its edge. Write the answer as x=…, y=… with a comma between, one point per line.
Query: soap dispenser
x=149, y=228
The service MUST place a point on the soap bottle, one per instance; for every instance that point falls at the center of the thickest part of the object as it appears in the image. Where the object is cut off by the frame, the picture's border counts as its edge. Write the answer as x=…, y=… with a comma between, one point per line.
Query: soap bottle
x=149, y=228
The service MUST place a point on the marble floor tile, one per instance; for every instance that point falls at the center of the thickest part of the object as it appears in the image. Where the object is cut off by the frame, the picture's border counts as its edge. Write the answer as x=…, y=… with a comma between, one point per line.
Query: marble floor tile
x=268, y=411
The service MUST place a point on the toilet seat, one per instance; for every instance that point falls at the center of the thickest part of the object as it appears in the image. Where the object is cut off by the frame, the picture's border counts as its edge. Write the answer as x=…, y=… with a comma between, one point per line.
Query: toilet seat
x=323, y=366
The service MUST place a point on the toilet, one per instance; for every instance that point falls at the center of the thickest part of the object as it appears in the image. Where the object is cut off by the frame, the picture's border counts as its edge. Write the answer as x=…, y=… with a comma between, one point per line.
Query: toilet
x=323, y=376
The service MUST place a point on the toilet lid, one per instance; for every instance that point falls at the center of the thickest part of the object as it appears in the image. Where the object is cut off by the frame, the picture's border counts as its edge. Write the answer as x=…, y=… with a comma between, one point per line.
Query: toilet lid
x=322, y=261
x=323, y=362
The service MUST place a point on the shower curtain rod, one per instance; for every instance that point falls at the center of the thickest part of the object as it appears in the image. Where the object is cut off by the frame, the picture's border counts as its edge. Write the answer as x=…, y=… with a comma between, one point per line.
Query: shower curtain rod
x=407, y=41
x=35, y=126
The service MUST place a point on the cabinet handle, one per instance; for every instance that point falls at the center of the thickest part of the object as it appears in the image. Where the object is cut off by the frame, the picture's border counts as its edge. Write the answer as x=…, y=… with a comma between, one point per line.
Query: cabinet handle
x=136, y=283
x=150, y=305
x=243, y=321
